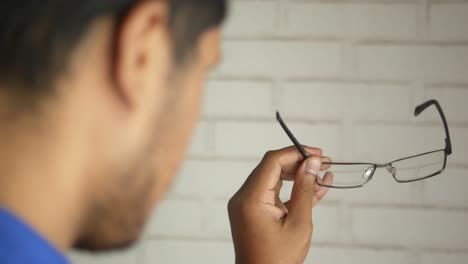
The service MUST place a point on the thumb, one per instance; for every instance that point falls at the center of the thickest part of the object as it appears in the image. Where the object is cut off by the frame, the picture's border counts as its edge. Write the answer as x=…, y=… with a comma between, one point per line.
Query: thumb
x=302, y=196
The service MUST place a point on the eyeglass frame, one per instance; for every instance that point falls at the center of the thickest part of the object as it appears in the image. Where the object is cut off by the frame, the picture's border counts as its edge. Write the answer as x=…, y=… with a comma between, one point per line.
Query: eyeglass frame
x=418, y=110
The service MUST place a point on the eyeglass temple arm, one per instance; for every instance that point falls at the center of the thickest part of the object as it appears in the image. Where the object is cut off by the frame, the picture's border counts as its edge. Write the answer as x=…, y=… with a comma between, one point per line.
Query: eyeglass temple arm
x=424, y=106
x=298, y=145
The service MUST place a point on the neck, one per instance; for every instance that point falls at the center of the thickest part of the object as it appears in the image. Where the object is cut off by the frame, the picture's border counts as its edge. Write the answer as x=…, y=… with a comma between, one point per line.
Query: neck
x=37, y=183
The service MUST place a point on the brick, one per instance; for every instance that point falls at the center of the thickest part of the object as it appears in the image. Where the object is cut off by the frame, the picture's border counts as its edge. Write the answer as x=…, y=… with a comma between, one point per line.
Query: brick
x=217, y=221
x=410, y=227
x=384, y=143
x=370, y=21
x=424, y=63
x=446, y=258
x=460, y=145
x=183, y=252
x=327, y=226
x=200, y=141
x=331, y=255
x=324, y=101
x=248, y=139
x=448, y=21
x=315, y=19
x=238, y=99
x=281, y=59
x=448, y=189
x=397, y=21
x=251, y=18
x=176, y=218
x=211, y=179
x=453, y=101
x=131, y=256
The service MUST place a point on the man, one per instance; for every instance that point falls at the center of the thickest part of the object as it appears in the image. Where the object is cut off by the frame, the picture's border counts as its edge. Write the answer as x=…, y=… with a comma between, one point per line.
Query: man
x=98, y=99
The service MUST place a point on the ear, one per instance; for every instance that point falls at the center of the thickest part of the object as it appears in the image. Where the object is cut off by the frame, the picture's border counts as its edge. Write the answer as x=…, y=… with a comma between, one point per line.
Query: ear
x=142, y=55
x=209, y=47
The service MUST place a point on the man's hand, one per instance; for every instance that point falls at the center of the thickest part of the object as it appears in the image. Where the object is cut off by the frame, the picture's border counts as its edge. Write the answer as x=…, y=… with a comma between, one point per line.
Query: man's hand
x=266, y=231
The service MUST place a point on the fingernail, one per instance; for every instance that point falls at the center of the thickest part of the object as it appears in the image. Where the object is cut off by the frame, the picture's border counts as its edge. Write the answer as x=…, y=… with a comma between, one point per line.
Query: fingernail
x=313, y=166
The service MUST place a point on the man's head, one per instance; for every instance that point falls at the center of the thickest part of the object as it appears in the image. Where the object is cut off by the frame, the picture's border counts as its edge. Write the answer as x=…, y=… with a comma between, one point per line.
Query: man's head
x=113, y=87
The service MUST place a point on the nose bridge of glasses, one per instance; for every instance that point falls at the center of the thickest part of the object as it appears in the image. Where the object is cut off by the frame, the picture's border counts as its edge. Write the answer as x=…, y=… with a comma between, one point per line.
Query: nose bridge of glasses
x=391, y=169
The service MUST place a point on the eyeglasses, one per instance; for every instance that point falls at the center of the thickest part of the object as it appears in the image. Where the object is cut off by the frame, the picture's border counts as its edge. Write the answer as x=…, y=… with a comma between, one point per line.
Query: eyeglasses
x=409, y=169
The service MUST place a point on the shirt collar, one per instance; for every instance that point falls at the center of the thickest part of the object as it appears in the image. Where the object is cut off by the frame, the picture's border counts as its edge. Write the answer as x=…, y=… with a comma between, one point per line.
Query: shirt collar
x=20, y=244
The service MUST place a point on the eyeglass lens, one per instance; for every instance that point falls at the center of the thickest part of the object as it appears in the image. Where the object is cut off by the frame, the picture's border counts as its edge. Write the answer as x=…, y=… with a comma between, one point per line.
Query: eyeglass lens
x=404, y=170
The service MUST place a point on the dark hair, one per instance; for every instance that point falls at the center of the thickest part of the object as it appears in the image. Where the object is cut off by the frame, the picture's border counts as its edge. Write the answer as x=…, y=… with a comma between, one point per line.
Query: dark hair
x=38, y=37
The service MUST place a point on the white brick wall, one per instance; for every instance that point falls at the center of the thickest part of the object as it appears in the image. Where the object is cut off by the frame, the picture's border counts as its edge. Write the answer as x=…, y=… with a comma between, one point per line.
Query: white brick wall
x=331, y=19
x=447, y=258
x=447, y=21
x=429, y=63
x=188, y=251
x=333, y=255
x=347, y=75
x=410, y=227
x=280, y=58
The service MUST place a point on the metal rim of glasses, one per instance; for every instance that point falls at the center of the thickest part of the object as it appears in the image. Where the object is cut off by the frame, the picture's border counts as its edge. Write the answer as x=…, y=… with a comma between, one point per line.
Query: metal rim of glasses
x=418, y=110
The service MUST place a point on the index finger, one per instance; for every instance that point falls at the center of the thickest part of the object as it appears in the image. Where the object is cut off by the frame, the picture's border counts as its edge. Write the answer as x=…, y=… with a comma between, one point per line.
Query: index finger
x=278, y=162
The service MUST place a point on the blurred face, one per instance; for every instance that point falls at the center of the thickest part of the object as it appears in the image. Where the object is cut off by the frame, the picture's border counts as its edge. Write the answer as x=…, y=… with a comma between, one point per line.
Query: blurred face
x=153, y=124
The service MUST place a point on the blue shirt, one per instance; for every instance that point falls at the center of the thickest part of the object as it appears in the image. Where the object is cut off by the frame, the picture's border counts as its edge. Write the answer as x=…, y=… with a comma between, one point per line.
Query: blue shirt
x=20, y=244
